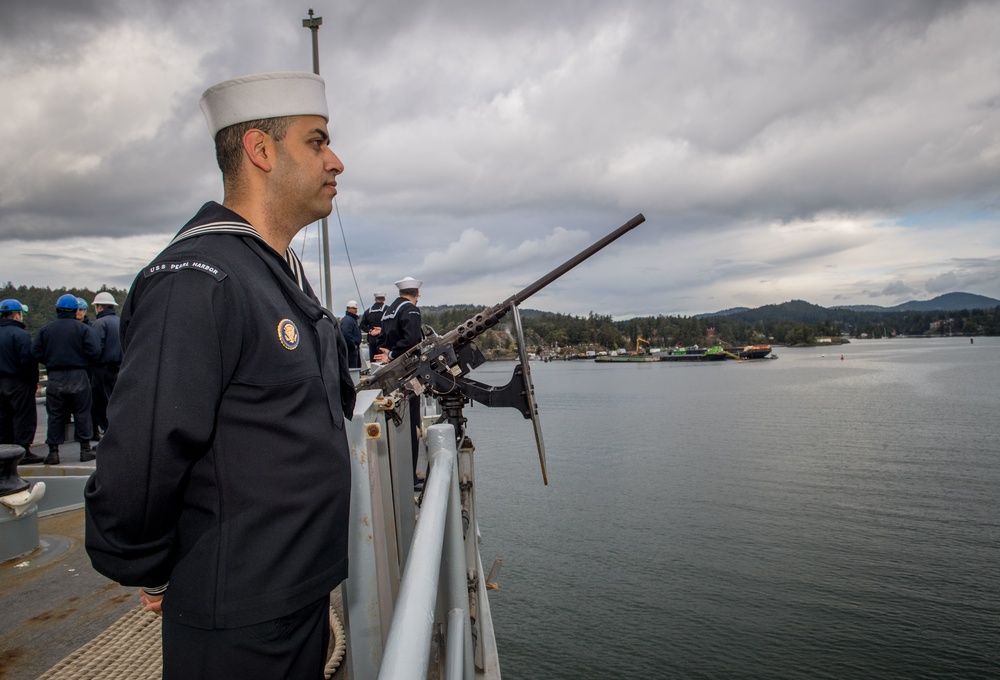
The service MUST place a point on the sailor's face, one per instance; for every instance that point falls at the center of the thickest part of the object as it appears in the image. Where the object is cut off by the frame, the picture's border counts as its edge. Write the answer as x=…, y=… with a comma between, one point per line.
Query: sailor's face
x=308, y=168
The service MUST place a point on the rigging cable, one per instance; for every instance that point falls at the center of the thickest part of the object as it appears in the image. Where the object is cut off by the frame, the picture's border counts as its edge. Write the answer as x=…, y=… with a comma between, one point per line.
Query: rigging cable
x=346, y=251
x=319, y=253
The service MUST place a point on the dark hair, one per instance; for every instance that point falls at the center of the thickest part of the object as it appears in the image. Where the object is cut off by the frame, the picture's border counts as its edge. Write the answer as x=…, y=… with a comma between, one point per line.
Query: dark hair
x=229, y=142
x=409, y=291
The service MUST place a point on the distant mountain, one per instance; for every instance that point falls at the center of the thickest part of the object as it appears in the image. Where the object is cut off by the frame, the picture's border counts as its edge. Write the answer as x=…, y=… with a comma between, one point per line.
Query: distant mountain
x=949, y=302
x=800, y=310
x=724, y=312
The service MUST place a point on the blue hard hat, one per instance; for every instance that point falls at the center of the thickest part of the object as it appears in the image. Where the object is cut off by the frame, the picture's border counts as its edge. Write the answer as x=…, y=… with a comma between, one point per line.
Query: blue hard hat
x=12, y=305
x=81, y=303
x=67, y=301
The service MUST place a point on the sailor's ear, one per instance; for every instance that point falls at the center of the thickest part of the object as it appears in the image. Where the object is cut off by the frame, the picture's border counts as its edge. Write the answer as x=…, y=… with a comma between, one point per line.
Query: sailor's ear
x=259, y=148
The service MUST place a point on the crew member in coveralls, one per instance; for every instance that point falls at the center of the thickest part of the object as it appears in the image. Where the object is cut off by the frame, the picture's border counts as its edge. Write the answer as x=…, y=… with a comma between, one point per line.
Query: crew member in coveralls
x=223, y=488
x=68, y=348
x=18, y=381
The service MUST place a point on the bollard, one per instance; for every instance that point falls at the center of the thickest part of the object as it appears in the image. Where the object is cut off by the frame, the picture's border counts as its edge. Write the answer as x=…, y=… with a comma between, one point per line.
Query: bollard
x=19, y=514
x=10, y=481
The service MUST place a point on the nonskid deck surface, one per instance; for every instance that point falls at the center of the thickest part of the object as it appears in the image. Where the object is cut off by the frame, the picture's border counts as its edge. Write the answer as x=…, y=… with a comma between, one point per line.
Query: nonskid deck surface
x=62, y=620
x=53, y=602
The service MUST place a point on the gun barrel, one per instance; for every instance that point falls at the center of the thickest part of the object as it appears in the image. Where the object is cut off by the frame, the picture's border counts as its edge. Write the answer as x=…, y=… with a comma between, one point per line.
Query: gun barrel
x=458, y=337
x=489, y=317
x=575, y=260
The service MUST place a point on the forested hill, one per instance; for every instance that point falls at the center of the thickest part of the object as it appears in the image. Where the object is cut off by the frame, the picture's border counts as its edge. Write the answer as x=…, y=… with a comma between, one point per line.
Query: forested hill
x=949, y=302
x=793, y=322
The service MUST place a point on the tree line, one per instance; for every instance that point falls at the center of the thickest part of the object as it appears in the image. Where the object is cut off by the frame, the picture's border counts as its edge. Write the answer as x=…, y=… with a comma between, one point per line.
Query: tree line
x=41, y=302
x=792, y=323
x=789, y=323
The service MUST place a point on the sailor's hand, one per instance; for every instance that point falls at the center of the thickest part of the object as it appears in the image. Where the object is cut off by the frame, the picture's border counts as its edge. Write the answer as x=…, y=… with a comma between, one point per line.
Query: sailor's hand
x=152, y=603
x=375, y=331
x=382, y=357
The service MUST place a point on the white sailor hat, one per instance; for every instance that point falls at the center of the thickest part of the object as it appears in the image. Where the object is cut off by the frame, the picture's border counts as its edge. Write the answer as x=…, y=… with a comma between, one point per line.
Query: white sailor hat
x=379, y=294
x=408, y=282
x=264, y=95
x=352, y=304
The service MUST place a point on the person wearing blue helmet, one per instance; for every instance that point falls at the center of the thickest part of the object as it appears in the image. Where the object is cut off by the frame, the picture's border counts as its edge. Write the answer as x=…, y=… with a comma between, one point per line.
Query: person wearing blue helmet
x=81, y=311
x=67, y=348
x=18, y=381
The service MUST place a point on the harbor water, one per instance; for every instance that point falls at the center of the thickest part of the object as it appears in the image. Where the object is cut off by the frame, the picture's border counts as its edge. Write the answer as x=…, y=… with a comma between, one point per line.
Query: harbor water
x=809, y=517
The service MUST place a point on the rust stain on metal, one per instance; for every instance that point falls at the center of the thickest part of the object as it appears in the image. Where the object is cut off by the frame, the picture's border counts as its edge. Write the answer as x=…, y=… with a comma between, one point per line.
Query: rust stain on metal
x=9, y=659
x=373, y=430
x=52, y=615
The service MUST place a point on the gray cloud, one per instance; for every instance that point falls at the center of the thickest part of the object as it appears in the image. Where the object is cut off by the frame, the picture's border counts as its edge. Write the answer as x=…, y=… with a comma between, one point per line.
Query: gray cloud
x=787, y=141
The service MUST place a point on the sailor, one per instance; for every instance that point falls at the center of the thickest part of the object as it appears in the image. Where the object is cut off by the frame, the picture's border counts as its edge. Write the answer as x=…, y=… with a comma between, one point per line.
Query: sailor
x=18, y=381
x=352, y=334
x=371, y=323
x=67, y=348
x=225, y=470
x=401, y=324
x=105, y=372
x=401, y=330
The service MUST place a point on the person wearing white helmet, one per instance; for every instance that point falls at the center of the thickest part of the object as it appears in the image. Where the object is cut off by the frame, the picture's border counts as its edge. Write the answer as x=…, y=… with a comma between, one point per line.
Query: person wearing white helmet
x=352, y=334
x=105, y=370
x=225, y=492
x=18, y=381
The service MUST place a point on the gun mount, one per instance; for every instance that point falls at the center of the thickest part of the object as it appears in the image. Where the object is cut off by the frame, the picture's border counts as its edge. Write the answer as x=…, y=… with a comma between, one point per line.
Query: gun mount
x=439, y=364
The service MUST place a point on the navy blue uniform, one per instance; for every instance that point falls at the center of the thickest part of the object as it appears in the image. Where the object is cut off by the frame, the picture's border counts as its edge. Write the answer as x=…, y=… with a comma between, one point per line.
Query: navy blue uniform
x=372, y=318
x=225, y=470
x=352, y=334
x=401, y=330
x=67, y=348
x=18, y=383
x=105, y=371
x=401, y=327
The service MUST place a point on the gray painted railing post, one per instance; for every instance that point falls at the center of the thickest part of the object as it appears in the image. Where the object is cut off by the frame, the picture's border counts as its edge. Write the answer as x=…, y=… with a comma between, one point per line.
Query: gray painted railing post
x=407, y=651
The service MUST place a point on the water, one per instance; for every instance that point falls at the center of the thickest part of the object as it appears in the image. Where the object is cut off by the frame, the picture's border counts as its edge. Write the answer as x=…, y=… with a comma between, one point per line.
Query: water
x=809, y=517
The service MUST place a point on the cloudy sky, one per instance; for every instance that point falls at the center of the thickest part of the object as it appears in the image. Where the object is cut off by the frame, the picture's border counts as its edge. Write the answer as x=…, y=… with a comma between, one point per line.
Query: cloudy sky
x=836, y=152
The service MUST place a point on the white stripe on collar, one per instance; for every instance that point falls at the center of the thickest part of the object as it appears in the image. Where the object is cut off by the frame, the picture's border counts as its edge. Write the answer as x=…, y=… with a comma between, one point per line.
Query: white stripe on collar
x=243, y=229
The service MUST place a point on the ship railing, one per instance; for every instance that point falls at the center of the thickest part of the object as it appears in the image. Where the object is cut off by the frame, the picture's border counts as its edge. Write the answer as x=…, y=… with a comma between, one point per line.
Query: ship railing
x=439, y=532
x=415, y=601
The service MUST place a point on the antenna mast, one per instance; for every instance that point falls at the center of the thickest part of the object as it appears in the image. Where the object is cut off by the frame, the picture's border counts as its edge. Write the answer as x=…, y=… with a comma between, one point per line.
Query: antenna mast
x=313, y=24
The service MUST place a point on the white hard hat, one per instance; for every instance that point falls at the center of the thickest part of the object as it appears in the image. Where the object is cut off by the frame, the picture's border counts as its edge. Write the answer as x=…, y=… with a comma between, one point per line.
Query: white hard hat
x=352, y=304
x=105, y=298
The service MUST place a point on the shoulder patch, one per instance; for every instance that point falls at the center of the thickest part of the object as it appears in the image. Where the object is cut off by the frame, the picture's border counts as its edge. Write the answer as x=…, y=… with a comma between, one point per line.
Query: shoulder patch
x=196, y=265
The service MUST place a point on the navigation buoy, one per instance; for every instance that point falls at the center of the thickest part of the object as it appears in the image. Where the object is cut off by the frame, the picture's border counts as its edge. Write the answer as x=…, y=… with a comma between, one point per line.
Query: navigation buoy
x=841, y=357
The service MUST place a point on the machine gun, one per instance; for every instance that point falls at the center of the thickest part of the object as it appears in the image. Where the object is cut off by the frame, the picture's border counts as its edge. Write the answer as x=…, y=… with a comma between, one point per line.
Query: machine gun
x=439, y=363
